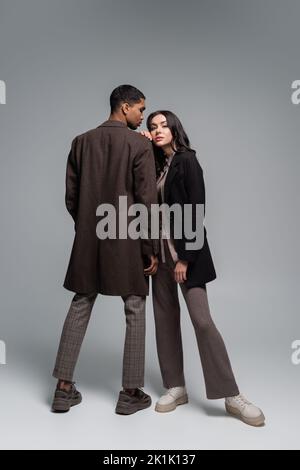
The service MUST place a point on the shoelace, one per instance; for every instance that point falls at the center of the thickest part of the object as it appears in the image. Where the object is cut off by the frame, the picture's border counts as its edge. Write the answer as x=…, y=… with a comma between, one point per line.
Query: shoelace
x=170, y=392
x=241, y=400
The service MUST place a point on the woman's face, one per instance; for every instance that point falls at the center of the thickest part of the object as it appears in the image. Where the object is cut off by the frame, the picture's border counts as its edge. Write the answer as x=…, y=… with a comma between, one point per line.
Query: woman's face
x=160, y=132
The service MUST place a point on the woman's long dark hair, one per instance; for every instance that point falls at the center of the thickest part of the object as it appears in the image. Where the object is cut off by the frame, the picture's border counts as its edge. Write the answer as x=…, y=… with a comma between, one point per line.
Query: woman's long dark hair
x=180, y=141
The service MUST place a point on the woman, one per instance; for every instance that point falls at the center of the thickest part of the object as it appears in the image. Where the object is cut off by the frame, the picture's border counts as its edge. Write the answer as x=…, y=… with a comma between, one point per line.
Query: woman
x=180, y=181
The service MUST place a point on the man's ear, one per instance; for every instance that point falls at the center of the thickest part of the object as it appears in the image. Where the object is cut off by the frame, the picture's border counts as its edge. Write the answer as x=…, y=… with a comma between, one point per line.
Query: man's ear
x=125, y=108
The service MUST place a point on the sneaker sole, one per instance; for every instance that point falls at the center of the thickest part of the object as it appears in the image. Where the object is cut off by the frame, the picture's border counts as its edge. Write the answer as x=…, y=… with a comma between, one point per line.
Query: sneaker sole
x=129, y=410
x=61, y=406
x=172, y=406
x=258, y=421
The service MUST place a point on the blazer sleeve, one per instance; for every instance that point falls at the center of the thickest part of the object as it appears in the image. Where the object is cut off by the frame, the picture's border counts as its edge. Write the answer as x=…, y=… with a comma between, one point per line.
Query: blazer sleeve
x=145, y=192
x=72, y=182
x=195, y=189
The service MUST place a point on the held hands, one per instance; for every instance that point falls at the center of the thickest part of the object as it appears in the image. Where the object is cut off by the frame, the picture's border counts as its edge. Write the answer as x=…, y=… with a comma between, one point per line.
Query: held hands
x=146, y=134
x=180, y=271
x=152, y=268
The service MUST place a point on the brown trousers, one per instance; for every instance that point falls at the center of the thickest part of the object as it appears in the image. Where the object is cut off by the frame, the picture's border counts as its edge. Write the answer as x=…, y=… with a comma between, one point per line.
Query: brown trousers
x=218, y=375
x=74, y=331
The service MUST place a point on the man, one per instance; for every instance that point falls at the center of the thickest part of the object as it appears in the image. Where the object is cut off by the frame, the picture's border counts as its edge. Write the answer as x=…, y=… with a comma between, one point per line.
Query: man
x=103, y=164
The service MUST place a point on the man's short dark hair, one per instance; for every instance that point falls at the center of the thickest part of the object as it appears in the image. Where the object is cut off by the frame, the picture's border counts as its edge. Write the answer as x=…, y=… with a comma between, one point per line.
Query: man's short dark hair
x=124, y=94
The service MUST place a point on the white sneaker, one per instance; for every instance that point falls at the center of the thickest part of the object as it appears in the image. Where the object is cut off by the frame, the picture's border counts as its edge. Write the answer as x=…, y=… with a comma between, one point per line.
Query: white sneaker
x=173, y=397
x=245, y=410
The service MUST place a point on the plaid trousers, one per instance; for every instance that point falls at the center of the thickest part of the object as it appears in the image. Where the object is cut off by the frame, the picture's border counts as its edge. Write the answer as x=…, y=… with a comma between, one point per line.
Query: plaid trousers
x=74, y=331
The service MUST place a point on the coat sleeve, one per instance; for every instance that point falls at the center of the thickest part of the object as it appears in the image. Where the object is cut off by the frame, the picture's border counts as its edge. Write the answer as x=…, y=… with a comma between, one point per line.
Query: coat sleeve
x=145, y=191
x=195, y=188
x=72, y=182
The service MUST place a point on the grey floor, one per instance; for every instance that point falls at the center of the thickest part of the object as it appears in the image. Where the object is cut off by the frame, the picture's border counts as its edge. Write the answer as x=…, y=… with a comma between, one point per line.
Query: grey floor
x=261, y=358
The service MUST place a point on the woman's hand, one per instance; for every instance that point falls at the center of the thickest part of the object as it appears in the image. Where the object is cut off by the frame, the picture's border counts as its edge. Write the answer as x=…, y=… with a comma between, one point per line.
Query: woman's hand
x=146, y=134
x=180, y=271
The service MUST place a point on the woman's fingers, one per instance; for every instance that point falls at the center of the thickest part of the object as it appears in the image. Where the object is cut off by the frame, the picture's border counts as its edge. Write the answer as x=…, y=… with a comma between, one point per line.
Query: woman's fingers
x=180, y=272
x=178, y=276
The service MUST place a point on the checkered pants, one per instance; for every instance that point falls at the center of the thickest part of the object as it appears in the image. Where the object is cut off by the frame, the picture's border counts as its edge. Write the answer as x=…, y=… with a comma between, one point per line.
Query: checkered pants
x=74, y=330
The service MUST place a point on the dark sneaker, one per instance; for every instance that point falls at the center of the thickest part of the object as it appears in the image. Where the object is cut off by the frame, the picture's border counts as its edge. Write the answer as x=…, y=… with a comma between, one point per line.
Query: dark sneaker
x=63, y=400
x=129, y=404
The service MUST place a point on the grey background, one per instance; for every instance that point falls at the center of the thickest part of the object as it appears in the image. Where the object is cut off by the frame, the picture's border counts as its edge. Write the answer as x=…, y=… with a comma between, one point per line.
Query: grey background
x=226, y=68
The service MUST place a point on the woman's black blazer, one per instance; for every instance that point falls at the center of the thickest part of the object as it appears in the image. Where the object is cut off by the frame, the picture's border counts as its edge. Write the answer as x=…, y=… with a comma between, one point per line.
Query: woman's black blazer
x=185, y=185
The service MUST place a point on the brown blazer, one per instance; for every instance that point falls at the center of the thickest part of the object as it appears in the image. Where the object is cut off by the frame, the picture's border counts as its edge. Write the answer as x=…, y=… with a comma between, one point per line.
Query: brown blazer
x=103, y=164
